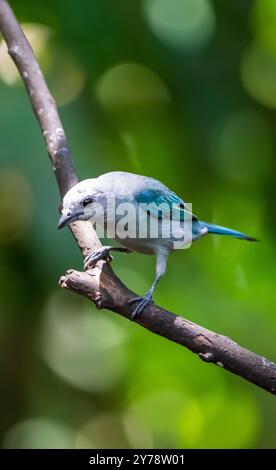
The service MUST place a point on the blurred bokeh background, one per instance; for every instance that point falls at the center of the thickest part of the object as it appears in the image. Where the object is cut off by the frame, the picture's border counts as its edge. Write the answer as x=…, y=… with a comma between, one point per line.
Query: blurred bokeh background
x=184, y=91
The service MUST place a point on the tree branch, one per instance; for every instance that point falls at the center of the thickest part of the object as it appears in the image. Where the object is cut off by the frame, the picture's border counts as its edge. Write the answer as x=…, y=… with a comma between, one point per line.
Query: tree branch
x=101, y=285
x=45, y=109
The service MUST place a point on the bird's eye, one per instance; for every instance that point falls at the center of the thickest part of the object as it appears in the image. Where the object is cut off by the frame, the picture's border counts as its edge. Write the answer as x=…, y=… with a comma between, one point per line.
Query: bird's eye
x=86, y=201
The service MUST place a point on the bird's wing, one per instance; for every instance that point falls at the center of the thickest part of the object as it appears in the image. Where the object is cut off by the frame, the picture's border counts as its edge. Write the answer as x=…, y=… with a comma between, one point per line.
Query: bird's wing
x=165, y=204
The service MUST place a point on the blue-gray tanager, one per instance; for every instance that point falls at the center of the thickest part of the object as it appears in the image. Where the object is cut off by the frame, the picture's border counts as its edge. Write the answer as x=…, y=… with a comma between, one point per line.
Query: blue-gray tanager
x=123, y=205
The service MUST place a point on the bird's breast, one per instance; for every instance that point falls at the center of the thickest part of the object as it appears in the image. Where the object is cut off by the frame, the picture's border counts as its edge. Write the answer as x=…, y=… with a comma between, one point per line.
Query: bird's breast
x=138, y=230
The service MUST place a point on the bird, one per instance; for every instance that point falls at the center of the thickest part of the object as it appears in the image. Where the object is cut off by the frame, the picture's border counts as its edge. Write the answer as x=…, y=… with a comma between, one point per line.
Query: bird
x=124, y=206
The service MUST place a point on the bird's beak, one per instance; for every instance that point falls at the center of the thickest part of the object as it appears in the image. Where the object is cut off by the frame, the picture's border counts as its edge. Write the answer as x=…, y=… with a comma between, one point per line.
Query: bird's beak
x=68, y=218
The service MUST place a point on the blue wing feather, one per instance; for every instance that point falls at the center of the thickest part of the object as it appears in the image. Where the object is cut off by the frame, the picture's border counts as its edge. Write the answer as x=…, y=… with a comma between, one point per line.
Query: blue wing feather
x=166, y=203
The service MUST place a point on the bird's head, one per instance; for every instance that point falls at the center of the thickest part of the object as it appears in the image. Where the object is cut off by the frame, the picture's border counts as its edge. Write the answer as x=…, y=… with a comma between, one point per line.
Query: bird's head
x=78, y=202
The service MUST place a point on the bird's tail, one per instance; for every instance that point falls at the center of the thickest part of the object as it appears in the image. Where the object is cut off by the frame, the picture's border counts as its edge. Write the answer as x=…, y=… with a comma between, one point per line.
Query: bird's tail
x=217, y=229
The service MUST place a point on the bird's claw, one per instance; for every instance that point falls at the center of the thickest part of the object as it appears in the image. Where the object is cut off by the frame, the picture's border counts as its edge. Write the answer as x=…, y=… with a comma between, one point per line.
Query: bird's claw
x=97, y=255
x=142, y=303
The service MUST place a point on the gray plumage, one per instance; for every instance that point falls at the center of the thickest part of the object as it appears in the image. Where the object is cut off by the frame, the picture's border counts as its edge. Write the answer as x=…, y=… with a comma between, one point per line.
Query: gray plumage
x=106, y=200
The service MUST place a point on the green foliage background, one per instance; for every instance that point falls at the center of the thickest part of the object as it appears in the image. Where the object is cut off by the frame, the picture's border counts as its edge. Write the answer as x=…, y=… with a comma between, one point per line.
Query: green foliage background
x=198, y=114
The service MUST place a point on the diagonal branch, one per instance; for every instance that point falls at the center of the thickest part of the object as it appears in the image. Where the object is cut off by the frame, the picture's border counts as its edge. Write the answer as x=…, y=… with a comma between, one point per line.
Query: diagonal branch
x=101, y=285
x=45, y=109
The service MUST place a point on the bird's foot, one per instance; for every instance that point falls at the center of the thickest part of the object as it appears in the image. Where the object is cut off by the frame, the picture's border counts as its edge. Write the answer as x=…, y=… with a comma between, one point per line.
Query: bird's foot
x=141, y=302
x=96, y=255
